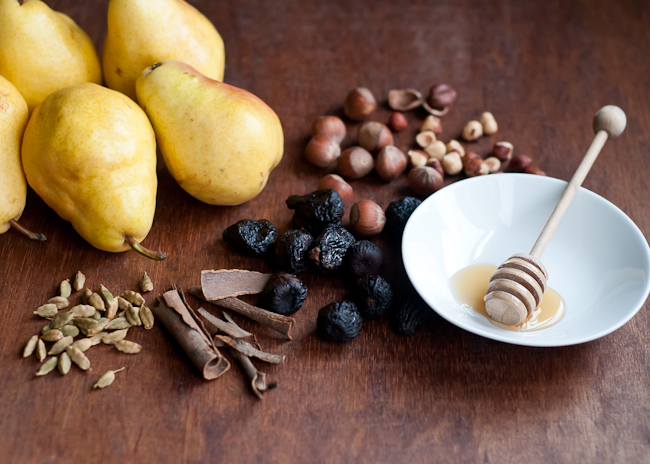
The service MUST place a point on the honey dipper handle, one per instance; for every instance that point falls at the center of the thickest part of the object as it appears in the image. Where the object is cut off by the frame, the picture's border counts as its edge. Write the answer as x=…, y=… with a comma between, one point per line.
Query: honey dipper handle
x=609, y=122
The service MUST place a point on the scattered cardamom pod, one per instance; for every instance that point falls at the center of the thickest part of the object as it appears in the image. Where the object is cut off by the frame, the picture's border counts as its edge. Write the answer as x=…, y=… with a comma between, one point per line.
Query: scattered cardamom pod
x=64, y=363
x=79, y=281
x=96, y=301
x=133, y=315
x=85, y=296
x=65, y=289
x=52, y=335
x=47, y=367
x=128, y=347
x=111, y=310
x=133, y=297
x=146, y=285
x=83, y=344
x=106, y=379
x=97, y=315
x=60, y=346
x=118, y=323
x=114, y=337
x=101, y=325
x=85, y=323
x=47, y=310
x=77, y=357
x=122, y=303
x=121, y=314
x=59, y=301
x=41, y=352
x=69, y=330
x=106, y=295
x=97, y=339
x=82, y=311
x=45, y=329
x=146, y=316
x=30, y=347
x=61, y=320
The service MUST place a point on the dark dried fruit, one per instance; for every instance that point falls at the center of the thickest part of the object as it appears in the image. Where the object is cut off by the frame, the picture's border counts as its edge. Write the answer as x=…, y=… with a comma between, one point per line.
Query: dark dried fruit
x=291, y=251
x=407, y=315
x=251, y=237
x=330, y=248
x=339, y=321
x=399, y=212
x=284, y=294
x=364, y=258
x=316, y=210
x=373, y=296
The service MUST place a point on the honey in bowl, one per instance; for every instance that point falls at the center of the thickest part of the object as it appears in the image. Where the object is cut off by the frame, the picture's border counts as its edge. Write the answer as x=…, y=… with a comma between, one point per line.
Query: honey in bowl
x=470, y=284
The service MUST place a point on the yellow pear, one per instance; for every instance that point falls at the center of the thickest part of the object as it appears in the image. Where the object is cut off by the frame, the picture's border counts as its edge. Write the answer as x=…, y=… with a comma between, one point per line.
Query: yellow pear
x=13, y=187
x=142, y=32
x=219, y=142
x=42, y=50
x=90, y=153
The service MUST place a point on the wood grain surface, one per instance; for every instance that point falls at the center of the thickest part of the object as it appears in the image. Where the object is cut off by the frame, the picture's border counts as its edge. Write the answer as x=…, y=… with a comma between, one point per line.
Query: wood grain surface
x=445, y=395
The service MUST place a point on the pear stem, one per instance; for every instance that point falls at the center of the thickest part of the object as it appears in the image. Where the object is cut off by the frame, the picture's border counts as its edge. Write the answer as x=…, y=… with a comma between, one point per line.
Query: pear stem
x=27, y=232
x=155, y=255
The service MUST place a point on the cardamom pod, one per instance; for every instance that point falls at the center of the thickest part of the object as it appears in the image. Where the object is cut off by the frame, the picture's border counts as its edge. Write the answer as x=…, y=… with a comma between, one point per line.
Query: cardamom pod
x=114, y=337
x=96, y=301
x=106, y=379
x=65, y=289
x=82, y=311
x=45, y=329
x=118, y=323
x=77, y=357
x=111, y=310
x=86, y=295
x=60, y=346
x=70, y=331
x=97, y=316
x=133, y=297
x=41, y=352
x=122, y=303
x=85, y=323
x=97, y=339
x=59, y=301
x=47, y=367
x=52, y=335
x=47, y=310
x=128, y=347
x=101, y=325
x=30, y=347
x=61, y=320
x=146, y=285
x=106, y=295
x=83, y=344
x=146, y=316
x=64, y=363
x=79, y=281
x=133, y=315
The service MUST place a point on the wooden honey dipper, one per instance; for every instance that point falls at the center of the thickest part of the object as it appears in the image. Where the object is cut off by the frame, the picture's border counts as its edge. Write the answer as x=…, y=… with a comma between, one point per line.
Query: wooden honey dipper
x=517, y=286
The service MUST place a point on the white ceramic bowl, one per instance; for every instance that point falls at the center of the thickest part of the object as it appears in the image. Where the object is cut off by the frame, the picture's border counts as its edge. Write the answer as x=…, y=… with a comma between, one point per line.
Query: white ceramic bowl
x=598, y=259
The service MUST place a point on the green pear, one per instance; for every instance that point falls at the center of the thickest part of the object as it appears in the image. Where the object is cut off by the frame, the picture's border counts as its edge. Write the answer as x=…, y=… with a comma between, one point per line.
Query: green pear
x=42, y=50
x=142, y=32
x=219, y=142
x=90, y=153
x=13, y=187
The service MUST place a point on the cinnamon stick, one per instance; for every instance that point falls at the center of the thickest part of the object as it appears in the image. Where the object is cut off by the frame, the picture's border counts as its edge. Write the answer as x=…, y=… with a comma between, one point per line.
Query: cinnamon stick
x=175, y=316
x=257, y=378
x=228, y=283
x=228, y=328
x=249, y=350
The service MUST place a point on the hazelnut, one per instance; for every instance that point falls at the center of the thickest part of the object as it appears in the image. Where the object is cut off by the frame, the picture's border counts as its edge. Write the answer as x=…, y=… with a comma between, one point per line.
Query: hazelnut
x=502, y=150
x=431, y=123
x=359, y=104
x=519, y=163
x=488, y=122
x=355, y=163
x=404, y=100
x=436, y=149
x=424, y=180
x=425, y=138
x=397, y=121
x=373, y=136
x=417, y=158
x=441, y=95
x=452, y=163
x=472, y=131
x=476, y=167
x=321, y=151
x=367, y=218
x=469, y=157
x=334, y=182
x=329, y=126
x=437, y=165
x=390, y=163
x=454, y=145
x=493, y=163
x=535, y=170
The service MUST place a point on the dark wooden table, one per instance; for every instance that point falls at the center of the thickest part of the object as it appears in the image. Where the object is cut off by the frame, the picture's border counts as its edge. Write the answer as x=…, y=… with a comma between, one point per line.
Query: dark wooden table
x=444, y=395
